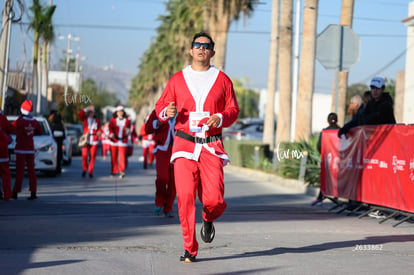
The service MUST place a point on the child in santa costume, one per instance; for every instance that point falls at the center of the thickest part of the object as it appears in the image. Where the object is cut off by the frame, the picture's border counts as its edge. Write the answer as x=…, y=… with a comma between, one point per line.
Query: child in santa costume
x=202, y=99
x=6, y=128
x=26, y=128
x=119, y=129
x=92, y=128
x=164, y=183
x=148, y=144
x=105, y=141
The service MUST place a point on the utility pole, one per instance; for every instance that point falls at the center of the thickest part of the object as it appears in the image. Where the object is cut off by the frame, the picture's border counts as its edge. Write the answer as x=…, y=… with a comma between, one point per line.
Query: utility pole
x=69, y=38
x=4, y=49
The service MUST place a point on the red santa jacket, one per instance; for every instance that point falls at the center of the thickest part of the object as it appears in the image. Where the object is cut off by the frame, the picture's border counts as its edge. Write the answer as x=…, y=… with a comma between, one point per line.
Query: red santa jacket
x=6, y=128
x=91, y=126
x=144, y=135
x=163, y=131
x=219, y=99
x=119, y=130
x=26, y=128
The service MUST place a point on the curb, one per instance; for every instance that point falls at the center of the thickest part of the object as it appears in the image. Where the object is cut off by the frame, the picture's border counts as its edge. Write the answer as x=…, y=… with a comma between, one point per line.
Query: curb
x=295, y=185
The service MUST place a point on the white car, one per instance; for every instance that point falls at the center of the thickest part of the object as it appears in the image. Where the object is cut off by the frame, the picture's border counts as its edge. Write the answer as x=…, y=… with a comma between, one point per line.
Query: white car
x=44, y=145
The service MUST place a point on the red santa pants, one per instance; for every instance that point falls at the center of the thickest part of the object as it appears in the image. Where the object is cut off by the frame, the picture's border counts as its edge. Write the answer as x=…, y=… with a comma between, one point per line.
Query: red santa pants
x=88, y=157
x=118, y=158
x=147, y=149
x=164, y=183
x=206, y=175
x=21, y=161
x=6, y=179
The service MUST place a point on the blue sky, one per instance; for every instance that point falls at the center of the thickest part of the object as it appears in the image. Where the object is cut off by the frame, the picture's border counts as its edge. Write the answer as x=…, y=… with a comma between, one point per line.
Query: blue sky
x=118, y=32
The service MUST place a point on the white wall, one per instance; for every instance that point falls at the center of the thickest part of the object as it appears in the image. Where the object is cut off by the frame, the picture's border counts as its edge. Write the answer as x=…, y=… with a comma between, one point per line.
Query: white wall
x=408, y=113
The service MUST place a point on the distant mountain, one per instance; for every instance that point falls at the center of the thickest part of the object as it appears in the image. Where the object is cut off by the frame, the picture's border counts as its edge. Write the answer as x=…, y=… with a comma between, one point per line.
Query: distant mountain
x=114, y=81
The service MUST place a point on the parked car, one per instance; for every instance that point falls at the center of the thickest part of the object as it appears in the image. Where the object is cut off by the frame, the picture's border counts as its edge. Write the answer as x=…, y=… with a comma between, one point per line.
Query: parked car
x=44, y=145
x=74, y=132
x=245, y=129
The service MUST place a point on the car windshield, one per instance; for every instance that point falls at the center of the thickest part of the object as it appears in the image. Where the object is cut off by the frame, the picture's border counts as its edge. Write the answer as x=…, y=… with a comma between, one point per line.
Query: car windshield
x=43, y=124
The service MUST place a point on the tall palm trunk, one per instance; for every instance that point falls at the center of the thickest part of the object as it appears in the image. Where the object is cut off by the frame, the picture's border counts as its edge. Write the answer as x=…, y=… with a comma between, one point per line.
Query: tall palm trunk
x=347, y=12
x=45, y=79
x=307, y=72
x=217, y=22
x=285, y=73
x=35, y=74
x=268, y=131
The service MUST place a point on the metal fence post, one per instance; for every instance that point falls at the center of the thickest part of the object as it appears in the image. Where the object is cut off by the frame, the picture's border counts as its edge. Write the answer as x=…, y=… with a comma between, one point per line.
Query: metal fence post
x=302, y=168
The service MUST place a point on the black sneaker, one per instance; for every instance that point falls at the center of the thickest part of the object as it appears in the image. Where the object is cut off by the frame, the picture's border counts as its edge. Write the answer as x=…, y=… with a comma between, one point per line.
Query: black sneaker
x=207, y=232
x=187, y=257
x=83, y=174
x=32, y=196
x=14, y=196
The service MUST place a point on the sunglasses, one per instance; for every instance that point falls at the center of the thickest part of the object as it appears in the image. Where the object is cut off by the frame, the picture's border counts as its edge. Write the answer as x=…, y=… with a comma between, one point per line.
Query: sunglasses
x=207, y=46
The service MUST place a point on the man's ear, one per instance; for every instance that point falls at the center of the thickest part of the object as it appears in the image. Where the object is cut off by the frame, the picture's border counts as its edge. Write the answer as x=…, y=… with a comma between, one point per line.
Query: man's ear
x=190, y=51
x=213, y=53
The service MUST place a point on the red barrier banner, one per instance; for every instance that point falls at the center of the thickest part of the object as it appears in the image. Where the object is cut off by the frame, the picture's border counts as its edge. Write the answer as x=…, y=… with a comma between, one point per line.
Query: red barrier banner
x=374, y=165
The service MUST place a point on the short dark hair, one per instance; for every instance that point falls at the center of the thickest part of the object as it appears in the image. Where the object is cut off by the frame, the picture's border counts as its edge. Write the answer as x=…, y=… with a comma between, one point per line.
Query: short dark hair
x=332, y=118
x=202, y=34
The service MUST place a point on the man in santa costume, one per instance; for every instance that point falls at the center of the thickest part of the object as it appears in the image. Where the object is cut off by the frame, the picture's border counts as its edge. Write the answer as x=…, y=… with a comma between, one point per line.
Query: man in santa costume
x=26, y=128
x=203, y=100
x=6, y=128
x=92, y=128
x=164, y=183
x=119, y=129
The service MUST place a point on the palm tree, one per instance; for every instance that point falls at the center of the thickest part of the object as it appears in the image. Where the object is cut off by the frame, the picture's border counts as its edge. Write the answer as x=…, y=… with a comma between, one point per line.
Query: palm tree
x=307, y=72
x=36, y=25
x=217, y=16
x=285, y=73
x=169, y=51
x=268, y=131
x=41, y=23
x=48, y=35
x=347, y=12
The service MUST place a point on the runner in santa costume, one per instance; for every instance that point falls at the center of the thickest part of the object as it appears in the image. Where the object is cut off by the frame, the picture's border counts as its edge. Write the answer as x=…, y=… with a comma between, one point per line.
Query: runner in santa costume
x=105, y=141
x=119, y=129
x=203, y=100
x=164, y=183
x=91, y=127
x=6, y=128
x=132, y=139
x=148, y=145
x=26, y=128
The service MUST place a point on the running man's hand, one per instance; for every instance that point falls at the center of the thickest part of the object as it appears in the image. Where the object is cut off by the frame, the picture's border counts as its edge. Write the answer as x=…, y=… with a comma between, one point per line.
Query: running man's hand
x=171, y=109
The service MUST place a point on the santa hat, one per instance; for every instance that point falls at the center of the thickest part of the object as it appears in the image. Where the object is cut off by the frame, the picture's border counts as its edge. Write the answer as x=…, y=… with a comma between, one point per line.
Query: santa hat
x=27, y=107
x=119, y=108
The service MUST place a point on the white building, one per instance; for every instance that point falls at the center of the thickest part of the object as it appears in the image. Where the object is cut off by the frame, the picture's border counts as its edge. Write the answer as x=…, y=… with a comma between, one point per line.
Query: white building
x=408, y=97
x=59, y=77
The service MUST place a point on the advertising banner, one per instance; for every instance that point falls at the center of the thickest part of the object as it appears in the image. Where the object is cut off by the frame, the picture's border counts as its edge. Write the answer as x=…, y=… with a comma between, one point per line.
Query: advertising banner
x=374, y=165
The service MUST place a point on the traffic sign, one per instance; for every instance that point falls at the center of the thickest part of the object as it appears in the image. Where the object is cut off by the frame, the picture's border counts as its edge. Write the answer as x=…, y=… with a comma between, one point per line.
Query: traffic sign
x=337, y=47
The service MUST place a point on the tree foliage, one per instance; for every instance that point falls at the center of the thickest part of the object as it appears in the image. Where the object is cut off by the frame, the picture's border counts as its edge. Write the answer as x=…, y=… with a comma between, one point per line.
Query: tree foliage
x=168, y=53
x=248, y=99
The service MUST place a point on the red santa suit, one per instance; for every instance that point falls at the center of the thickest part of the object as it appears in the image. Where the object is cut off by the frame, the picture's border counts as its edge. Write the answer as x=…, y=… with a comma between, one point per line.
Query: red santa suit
x=119, y=129
x=198, y=152
x=26, y=128
x=92, y=127
x=164, y=183
x=132, y=139
x=105, y=141
x=148, y=145
x=6, y=128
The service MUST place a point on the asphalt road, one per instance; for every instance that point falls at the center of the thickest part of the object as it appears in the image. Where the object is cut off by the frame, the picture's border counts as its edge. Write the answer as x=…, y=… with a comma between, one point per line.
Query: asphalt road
x=106, y=226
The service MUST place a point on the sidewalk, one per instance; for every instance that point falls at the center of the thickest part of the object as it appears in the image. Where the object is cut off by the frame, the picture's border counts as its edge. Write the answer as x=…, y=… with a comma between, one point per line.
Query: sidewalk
x=106, y=226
